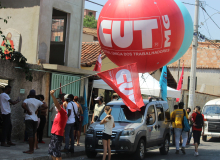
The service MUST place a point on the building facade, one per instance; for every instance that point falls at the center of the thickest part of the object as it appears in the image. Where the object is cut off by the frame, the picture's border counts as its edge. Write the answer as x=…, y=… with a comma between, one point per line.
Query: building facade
x=49, y=34
x=207, y=70
x=88, y=12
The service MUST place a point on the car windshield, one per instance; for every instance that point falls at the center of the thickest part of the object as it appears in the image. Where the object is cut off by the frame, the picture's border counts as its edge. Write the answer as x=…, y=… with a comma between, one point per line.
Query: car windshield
x=123, y=114
x=213, y=109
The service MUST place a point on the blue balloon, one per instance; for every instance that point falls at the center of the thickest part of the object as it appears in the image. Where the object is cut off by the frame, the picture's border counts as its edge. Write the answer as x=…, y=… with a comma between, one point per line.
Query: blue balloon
x=188, y=36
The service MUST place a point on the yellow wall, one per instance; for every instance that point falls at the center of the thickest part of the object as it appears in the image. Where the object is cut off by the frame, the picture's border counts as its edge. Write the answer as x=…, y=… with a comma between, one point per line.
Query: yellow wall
x=106, y=65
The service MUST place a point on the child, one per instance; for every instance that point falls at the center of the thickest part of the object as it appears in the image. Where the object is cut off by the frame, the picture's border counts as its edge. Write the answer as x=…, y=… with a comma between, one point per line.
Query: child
x=108, y=121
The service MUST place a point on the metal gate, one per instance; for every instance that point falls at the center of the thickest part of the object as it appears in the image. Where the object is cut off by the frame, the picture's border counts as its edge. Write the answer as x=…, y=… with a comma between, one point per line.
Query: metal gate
x=61, y=79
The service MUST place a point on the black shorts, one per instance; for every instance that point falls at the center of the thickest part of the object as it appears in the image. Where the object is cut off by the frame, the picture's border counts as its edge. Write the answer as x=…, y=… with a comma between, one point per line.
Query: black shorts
x=76, y=126
x=31, y=127
x=197, y=136
x=55, y=145
x=106, y=136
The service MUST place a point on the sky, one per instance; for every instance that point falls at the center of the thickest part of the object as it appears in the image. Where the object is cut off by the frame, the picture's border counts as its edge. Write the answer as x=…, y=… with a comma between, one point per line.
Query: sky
x=209, y=29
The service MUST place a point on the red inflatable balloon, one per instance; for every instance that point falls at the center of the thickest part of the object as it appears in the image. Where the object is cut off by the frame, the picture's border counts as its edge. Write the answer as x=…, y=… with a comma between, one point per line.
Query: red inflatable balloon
x=149, y=32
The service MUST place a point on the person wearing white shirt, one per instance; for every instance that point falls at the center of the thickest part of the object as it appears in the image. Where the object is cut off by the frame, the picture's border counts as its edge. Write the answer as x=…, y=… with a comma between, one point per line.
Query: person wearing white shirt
x=71, y=108
x=114, y=97
x=32, y=106
x=109, y=123
x=5, y=101
x=98, y=108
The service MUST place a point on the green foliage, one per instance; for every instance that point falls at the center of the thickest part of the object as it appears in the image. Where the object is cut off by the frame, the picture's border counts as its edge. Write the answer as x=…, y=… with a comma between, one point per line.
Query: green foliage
x=90, y=22
x=20, y=60
x=16, y=57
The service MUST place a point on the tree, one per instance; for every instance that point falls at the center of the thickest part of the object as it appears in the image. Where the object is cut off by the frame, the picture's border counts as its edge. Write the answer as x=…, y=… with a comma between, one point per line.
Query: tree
x=90, y=22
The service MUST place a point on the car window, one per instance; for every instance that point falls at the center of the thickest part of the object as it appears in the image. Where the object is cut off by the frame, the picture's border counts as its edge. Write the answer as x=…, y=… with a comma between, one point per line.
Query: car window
x=212, y=109
x=151, y=115
x=160, y=112
x=122, y=113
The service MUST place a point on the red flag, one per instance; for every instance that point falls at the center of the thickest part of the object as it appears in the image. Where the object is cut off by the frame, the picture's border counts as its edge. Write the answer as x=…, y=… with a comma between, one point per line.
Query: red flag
x=180, y=83
x=60, y=89
x=125, y=81
x=98, y=65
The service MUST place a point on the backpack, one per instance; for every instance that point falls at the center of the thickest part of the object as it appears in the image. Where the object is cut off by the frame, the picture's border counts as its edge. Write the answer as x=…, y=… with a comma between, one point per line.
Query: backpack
x=199, y=120
x=185, y=122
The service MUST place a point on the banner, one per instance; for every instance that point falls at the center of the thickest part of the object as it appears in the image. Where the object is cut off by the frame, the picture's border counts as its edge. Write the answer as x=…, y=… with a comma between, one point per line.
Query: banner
x=98, y=65
x=163, y=83
x=125, y=81
x=85, y=113
x=180, y=83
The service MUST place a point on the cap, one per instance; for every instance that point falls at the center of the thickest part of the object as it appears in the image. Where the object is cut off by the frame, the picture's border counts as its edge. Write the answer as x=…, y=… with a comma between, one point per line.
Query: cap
x=98, y=98
x=32, y=92
x=66, y=96
x=115, y=94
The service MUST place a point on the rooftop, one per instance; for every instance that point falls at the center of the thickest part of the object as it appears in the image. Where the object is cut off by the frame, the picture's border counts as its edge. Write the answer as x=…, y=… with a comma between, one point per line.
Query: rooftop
x=208, y=57
x=90, y=53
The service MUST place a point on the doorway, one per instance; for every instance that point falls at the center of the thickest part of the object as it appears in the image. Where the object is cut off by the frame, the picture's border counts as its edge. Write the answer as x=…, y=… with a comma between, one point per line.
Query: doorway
x=58, y=37
x=58, y=80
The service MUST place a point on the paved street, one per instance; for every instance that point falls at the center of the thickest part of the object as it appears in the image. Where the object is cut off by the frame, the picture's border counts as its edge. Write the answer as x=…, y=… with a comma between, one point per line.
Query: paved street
x=15, y=152
x=208, y=151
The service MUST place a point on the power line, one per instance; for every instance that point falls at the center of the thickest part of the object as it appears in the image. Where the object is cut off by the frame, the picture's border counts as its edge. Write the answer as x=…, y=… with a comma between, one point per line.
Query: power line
x=203, y=37
x=94, y=3
x=209, y=16
x=188, y=3
x=212, y=8
x=206, y=24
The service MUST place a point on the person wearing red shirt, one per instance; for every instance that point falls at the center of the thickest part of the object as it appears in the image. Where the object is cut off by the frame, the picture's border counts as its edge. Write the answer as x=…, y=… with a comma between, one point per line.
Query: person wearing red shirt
x=57, y=130
x=197, y=128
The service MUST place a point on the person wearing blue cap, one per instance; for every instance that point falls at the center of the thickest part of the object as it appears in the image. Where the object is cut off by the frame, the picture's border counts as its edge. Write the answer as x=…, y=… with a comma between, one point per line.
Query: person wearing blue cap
x=32, y=106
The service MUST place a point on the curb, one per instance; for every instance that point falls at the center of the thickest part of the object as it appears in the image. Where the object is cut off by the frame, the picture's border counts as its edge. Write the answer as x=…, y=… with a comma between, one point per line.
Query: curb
x=64, y=155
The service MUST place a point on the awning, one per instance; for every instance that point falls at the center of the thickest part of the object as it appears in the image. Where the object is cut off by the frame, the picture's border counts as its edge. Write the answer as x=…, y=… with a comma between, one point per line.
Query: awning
x=2, y=85
x=148, y=84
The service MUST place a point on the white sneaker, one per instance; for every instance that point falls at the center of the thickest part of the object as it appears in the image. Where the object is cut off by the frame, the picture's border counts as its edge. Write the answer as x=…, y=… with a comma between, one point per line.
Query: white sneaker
x=195, y=154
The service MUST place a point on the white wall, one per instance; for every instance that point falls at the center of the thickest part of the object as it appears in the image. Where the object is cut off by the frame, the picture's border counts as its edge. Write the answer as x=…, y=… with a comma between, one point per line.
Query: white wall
x=208, y=80
x=24, y=19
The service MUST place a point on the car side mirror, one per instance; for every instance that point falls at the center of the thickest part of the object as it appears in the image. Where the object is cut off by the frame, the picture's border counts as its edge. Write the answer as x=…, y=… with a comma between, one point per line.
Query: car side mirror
x=150, y=121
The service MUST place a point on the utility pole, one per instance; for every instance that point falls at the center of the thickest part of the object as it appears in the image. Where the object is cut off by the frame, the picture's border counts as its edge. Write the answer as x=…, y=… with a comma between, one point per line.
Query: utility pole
x=194, y=57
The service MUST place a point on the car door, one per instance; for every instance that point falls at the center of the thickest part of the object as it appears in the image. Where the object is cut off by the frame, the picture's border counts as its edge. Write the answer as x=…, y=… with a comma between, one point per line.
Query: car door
x=150, y=123
x=161, y=126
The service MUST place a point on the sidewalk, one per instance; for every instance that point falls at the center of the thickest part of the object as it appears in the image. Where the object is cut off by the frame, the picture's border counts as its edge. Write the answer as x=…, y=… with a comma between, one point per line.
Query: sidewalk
x=16, y=152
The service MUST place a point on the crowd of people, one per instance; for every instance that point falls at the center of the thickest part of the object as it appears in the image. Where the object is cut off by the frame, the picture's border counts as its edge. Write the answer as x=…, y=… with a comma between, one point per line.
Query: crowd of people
x=67, y=120
x=67, y=116
x=183, y=131
x=35, y=111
